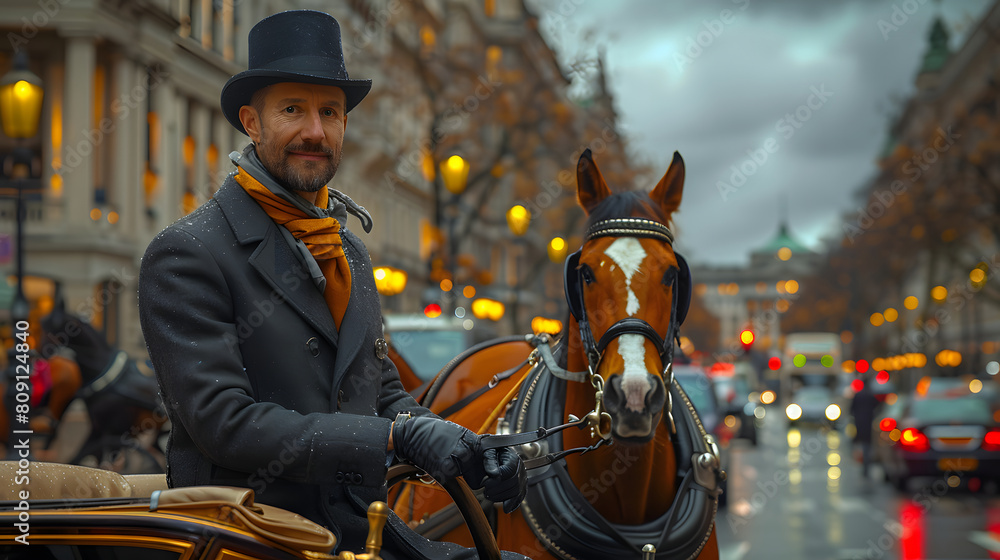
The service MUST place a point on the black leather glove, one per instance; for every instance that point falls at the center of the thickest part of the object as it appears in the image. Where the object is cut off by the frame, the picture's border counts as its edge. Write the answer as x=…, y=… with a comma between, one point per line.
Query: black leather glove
x=446, y=450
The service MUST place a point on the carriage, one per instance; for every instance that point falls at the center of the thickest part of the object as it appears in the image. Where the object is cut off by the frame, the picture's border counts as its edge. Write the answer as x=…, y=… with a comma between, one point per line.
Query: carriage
x=621, y=466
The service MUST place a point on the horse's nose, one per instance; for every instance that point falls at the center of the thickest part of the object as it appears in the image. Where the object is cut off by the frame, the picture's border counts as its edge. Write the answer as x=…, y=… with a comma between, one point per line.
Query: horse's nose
x=639, y=395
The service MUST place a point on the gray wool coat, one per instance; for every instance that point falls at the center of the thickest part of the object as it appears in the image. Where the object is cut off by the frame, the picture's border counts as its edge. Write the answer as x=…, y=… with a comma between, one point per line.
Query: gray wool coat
x=261, y=389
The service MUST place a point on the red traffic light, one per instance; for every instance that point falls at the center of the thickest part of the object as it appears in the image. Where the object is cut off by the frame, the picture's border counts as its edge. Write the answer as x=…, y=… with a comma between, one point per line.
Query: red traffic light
x=432, y=310
x=774, y=363
x=861, y=366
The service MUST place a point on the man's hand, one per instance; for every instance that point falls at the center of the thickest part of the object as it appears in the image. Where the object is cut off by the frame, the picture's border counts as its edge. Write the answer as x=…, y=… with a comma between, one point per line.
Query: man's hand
x=447, y=450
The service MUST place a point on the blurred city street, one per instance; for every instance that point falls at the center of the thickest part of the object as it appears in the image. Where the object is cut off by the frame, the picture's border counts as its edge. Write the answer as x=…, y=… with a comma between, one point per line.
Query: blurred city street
x=808, y=500
x=804, y=196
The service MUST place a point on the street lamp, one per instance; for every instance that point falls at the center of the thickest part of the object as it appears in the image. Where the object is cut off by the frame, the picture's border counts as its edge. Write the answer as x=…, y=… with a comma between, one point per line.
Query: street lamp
x=455, y=176
x=21, y=97
x=557, y=249
x=518, y=219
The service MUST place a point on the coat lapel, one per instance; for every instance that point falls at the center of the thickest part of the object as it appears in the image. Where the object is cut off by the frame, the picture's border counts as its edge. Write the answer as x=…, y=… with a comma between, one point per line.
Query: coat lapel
x=355, y=323
x=273, y=259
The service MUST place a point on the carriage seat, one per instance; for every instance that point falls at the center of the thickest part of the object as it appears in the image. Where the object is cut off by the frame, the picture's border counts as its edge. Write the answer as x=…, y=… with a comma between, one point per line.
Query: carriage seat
x=58, y=481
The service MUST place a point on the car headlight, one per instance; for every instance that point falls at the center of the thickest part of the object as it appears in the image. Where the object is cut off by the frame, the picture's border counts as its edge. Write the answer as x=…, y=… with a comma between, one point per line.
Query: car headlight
x=793, y=411
x=832, y=412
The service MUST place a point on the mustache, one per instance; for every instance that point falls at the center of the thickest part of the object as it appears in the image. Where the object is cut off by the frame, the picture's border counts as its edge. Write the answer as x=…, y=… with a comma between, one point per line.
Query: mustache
x=309, y=149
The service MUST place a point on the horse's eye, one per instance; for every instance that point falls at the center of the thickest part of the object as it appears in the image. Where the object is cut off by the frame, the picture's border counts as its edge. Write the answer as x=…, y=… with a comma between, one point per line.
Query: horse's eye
x=669, y=276
x=587, y=274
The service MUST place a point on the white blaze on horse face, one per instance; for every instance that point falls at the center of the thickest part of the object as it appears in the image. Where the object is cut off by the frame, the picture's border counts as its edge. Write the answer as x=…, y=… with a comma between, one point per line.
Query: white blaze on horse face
x=628, y=254
x=635, y=380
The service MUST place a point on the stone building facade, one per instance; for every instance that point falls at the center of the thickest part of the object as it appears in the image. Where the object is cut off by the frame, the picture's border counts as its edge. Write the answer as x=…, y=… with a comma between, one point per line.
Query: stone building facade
x=132, y=139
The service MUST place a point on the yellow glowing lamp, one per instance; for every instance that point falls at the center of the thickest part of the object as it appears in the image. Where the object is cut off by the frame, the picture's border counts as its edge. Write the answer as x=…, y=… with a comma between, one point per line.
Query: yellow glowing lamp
x=455, y=173
x=557, y=249
x=486, y=308
x=939, y=293
x=541, y=325
x=21, y=97
x=518, y=219
x=389, y=281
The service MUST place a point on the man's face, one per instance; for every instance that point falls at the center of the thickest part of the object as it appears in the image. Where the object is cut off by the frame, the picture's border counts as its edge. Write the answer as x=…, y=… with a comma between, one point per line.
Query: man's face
x=299, y=133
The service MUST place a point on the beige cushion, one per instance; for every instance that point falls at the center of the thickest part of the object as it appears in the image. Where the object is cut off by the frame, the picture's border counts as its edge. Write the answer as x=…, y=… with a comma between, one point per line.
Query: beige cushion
x=58, y=481
x=143, y=485
x=55, y=481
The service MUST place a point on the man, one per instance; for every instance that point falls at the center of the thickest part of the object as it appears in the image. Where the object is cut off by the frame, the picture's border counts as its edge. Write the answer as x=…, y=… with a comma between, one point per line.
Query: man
x=863, y=407
x=262, y=320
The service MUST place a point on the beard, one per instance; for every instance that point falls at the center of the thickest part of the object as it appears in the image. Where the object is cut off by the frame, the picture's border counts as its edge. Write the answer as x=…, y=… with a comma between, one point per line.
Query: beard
x=305, y=176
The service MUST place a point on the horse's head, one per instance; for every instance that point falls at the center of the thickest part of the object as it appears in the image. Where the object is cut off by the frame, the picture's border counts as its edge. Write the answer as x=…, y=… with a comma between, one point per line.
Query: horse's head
x=628, y=291
x=66, y=330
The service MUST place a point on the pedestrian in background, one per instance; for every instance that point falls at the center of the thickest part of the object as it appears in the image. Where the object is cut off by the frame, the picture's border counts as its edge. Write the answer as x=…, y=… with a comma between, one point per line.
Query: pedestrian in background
x=863, y=407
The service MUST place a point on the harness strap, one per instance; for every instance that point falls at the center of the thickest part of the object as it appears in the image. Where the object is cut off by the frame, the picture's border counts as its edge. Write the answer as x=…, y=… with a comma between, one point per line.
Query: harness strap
x=550, y=363
x=109, y=376
x=555, y=456
x=556, y=503
x=631, y=325
x=494, y=381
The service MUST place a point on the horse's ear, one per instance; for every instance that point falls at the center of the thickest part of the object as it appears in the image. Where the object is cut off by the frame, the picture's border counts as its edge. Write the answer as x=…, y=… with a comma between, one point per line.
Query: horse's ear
x=590, y=186
x=669, y=190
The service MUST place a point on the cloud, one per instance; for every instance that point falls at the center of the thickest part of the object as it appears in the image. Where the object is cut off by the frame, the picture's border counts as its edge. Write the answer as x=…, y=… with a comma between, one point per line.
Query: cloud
x=683, y=79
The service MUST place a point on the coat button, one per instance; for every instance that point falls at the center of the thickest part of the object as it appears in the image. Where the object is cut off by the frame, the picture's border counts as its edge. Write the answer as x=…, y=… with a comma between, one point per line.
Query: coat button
x=381, y=348
x=356, y=478
x=313, y=345
x=339, y=477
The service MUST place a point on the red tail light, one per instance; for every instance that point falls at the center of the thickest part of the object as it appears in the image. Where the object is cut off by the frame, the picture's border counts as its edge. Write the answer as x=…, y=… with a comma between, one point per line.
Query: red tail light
x=991, y=442
x=887, y=424
x=914, y=440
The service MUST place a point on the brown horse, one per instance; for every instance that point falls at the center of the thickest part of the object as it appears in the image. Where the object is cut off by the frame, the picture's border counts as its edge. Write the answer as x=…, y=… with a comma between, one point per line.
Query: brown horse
x=653, y=484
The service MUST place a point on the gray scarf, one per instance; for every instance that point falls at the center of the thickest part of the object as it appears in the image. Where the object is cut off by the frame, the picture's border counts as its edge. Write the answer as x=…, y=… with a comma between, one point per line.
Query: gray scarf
x=338, y=206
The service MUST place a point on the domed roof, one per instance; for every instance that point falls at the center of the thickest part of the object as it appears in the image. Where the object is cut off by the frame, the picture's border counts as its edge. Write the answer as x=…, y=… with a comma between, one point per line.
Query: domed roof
x=783, y=239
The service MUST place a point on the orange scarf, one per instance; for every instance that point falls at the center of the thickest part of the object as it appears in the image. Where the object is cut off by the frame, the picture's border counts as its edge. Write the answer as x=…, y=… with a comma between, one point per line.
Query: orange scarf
x=321, y=236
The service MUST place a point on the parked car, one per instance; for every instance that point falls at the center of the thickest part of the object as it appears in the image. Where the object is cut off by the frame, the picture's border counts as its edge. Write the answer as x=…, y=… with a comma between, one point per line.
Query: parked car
x=738, y=405
x=886, y=432
x=941, y=435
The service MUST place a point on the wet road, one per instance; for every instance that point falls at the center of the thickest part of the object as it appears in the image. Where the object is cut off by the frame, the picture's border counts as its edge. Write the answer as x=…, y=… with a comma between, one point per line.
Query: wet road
x=800, y=494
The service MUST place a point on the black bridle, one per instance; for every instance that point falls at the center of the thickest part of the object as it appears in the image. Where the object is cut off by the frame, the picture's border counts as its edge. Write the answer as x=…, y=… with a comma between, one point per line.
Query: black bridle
x=678, y=280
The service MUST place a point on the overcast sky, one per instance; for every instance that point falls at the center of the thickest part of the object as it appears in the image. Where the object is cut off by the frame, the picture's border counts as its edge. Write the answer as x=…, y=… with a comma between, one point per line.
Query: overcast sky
x=715, y=79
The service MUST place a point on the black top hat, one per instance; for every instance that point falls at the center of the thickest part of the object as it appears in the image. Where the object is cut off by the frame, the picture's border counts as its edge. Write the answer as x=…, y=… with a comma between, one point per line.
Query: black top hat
x=295, y=46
